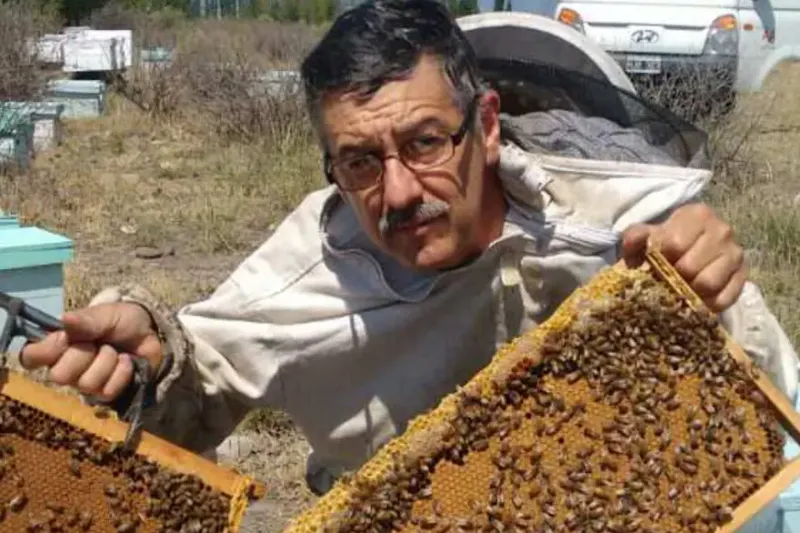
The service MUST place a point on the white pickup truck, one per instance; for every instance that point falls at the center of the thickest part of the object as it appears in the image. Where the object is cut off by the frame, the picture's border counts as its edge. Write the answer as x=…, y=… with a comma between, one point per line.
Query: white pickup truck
x=732, y=44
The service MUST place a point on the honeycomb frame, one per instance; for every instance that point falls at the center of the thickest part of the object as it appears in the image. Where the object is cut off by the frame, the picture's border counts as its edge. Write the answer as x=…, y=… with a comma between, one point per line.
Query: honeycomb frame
x=94, y=425
x=426, y=434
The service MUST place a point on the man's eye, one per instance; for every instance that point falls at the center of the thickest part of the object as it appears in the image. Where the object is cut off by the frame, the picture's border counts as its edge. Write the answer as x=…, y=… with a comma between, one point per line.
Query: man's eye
x=356, y=164
x=426, y=144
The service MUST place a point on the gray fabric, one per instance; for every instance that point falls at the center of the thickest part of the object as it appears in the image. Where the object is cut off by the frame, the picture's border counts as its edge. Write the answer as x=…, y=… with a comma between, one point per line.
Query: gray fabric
x=564, y=133
x=570, y=134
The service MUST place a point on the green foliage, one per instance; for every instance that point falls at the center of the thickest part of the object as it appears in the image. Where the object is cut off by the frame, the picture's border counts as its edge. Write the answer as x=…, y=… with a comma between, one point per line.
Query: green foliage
x=310, y=11
x=468, y=7
x=78, y=11
x=462, y=7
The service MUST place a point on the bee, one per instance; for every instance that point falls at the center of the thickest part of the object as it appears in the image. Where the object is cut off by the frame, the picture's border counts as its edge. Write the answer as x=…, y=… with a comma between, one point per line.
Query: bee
x=18, y=502
x=74, y=467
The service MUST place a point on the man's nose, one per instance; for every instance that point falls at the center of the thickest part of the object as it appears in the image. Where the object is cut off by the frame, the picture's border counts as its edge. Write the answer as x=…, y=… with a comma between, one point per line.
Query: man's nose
x=401, y=186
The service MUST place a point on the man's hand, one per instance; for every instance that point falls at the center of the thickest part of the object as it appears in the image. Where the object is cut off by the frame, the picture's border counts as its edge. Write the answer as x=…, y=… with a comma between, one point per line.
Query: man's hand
x=82, y=355
x=701, y=247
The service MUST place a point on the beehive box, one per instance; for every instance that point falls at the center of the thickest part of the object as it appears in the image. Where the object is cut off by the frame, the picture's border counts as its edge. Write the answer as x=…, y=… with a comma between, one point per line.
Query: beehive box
x=81, y=98
x=630, y=410
x=45, y=117
x=32, y=267
x=63, y=470
x=16, y=140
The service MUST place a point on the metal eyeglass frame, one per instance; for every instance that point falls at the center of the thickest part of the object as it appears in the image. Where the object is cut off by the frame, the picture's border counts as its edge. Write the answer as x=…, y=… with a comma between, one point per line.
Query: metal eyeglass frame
x=455, y=139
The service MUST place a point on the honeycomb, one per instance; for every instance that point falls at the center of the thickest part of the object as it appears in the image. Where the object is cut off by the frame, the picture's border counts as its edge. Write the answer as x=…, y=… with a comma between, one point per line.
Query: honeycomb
x=628, y=411
x=63, y=471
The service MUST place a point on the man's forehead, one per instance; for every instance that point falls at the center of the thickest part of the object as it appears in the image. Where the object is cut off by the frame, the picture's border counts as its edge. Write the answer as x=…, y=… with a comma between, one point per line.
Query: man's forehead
x=425, y=94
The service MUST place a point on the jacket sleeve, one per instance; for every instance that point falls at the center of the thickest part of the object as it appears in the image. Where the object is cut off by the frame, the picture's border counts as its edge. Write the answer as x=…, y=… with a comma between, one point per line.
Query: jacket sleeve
x=219, y=371
x=757, y=331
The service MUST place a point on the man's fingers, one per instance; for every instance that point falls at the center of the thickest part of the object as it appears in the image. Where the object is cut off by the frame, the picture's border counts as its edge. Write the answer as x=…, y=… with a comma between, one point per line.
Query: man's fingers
x=45, y=352
x=100, y=369
x=119, y=379
x=674, y=242
x=702, y=253
x=730, y=294
x=715, y=277
x=74, y=362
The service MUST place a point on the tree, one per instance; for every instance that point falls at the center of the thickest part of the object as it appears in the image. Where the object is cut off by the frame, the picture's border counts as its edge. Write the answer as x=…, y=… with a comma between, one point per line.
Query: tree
x=468, y=7
x=499, y=5
x=290, y=11
x=462, y=7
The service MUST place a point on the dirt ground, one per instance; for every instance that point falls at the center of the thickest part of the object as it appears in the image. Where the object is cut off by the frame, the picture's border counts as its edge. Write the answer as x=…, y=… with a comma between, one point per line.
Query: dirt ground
x=168, y=204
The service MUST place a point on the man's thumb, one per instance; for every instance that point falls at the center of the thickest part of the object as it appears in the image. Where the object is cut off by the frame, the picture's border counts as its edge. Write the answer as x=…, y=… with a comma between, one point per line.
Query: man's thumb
x=634, y=243
x=91, y=323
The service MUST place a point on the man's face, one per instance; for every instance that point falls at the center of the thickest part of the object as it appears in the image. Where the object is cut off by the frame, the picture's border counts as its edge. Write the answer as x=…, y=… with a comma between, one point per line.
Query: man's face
x=430, y=218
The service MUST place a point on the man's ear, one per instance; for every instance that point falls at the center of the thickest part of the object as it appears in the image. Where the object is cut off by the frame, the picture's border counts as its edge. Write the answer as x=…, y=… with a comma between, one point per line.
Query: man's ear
x=489, y=112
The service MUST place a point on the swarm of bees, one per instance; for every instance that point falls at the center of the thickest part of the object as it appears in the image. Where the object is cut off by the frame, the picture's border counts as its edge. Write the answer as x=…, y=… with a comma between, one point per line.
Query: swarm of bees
x=56, y=478
x=625, y=414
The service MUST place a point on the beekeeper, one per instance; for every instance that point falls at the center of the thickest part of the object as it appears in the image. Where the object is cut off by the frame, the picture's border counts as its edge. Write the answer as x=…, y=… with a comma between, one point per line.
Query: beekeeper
x=437, y=241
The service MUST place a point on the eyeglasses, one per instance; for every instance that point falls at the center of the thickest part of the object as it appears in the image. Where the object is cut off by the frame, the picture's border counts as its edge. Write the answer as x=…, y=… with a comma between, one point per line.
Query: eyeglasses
x=423, y=152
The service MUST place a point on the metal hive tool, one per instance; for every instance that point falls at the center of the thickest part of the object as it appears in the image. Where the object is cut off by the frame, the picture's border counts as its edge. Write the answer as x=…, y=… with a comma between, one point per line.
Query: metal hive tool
x=67, y=467
x=630, y=410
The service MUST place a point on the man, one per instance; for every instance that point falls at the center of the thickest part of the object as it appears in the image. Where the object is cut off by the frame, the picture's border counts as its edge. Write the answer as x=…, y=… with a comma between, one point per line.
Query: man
x=436, y=243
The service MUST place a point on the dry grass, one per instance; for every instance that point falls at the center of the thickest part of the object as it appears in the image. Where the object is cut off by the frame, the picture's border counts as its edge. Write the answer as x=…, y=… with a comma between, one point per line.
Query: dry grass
x=202, y=170
x=757, y=188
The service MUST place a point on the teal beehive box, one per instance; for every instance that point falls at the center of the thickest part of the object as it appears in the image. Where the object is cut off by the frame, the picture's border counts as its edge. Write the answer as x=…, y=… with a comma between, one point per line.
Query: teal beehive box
x=16, y=138
x=45, y=117
x=156, y=54
x=81, y=98
x=8, y=221
x=32, y=267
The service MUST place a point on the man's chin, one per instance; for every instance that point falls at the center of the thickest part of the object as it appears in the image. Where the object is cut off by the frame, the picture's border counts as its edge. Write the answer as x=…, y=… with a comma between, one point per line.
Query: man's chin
x=433, y=257
x=427, y=248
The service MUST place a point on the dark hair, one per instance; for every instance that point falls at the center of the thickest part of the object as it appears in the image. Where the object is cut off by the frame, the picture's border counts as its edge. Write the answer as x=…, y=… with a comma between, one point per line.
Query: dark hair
x=383, y=40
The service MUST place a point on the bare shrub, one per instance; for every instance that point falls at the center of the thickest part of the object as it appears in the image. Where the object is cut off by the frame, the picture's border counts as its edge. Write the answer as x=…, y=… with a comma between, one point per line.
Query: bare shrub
x=706, y=98
x=156, y=88
x=216, y=76
x=265, y=44
x=739, y=165
x=239, y=106
x=21, y=24
x=694, y=94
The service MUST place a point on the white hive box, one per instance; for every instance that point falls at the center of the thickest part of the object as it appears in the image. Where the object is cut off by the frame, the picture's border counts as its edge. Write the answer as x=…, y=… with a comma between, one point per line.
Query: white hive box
x=87, y=55
x=50, y=48
x=98, y=50
x=124, y=48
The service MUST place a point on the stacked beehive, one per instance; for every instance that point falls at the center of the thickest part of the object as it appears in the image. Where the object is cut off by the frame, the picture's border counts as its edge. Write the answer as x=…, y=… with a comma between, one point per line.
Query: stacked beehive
x=628, y=411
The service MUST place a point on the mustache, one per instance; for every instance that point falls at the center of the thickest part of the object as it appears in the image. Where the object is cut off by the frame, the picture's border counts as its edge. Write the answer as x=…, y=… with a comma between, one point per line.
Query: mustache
x=418, y=213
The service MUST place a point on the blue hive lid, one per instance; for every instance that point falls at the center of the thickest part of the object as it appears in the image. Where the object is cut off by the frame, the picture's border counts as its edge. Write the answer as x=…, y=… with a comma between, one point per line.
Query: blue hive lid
x=8, y=221
x=22, y=247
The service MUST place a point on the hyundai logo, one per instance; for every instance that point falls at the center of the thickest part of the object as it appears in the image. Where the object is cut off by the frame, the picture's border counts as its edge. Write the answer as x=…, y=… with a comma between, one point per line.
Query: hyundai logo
x=644, y=36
